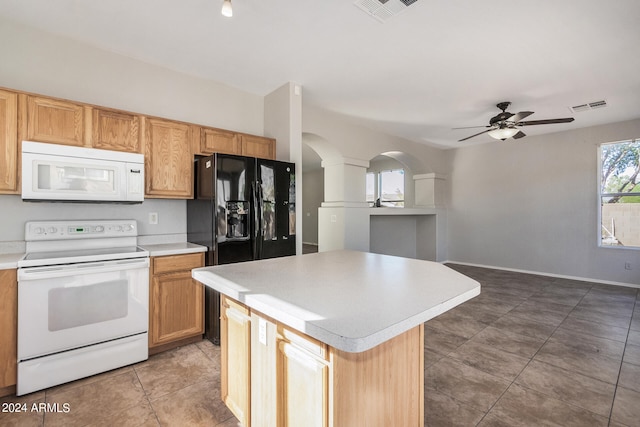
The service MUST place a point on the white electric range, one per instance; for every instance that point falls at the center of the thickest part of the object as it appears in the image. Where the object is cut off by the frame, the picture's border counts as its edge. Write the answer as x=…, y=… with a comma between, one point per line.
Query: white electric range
x=83, y=301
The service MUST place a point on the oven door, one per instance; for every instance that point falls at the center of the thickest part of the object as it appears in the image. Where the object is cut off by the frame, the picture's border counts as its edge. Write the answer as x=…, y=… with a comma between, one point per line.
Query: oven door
x=75, y=305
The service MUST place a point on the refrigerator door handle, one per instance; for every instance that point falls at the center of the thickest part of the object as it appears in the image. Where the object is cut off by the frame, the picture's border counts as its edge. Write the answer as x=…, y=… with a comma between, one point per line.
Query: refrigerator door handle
x=254, y=232
x=259, y=238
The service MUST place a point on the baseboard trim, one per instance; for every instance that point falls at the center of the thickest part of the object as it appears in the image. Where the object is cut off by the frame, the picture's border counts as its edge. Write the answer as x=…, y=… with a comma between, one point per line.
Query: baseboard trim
x=540, y=273
x=309, y=243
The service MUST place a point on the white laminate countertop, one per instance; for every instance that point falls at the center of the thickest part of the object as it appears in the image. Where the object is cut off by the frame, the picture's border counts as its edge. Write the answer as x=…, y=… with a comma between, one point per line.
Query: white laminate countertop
x=351, y=300
x=179, y=248
x=9, y=261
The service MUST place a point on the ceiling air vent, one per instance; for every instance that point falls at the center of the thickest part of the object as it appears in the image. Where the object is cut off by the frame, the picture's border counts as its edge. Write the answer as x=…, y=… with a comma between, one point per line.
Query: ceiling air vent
x=383, y=9
x=589, y=106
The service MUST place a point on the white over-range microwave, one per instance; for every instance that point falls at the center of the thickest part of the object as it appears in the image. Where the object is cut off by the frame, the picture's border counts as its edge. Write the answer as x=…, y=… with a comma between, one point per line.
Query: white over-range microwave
x=52, y=172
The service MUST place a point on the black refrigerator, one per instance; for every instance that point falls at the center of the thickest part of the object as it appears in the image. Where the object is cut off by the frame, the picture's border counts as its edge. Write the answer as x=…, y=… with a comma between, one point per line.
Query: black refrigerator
x=243, y=210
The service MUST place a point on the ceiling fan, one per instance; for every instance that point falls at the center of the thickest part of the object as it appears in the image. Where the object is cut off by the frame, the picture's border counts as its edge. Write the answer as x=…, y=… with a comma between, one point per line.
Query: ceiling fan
x=505, y=124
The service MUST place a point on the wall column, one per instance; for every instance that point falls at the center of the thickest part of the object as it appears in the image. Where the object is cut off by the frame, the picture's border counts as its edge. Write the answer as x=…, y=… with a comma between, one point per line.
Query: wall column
x=343, y=218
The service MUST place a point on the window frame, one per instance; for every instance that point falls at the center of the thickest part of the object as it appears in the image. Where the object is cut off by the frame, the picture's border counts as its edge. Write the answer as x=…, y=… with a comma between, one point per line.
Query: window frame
x=377, y=188
x=602, y=195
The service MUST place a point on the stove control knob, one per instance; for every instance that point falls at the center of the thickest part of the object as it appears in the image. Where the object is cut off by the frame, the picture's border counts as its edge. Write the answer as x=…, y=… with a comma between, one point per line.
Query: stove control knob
x=127, y=227
x=52, y=230
x=99, y=229
x=117, y=228
x=38, y=230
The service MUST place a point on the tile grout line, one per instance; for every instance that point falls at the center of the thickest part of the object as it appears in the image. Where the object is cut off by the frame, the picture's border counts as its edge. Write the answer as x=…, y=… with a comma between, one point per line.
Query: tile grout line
x=532, y=357
x=135, y=371
x=615, y=391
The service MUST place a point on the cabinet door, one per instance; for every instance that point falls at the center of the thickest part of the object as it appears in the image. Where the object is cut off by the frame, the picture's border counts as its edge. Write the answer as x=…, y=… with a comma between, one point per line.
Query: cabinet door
x=8, y=142
x=55, y=121
x=219, y=141
x=303, y=375
x=168, y=159
x=257, y=146
x=9, y=327
x=235, y=338
x=115, y=130
x=176, y=308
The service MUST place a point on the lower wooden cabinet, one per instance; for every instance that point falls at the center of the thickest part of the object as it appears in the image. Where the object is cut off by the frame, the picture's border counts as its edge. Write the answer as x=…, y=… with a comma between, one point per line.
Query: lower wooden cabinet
x=235, y=345
x=9, y=328
x=176, y=301
x=274, y=376
x=271, y=375
x=303, y=378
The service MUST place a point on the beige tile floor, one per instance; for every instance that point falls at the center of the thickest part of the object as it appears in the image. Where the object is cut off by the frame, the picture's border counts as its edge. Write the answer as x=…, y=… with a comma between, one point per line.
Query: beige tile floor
x=528, y=351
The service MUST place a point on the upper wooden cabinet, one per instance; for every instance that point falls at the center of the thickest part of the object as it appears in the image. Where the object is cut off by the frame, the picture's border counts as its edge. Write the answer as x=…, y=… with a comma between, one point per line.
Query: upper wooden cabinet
x=228, y=142
x=115, y=130
x=8, y=142
x=168, y=159
x=258, y=146
x=218, y=141
x=55, y=121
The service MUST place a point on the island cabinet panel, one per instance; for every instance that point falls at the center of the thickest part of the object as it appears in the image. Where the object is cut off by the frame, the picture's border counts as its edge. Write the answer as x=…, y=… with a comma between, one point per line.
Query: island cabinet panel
x=303, y=374
x=235, y=358
x=218, y=141
x=362, y=383
x=258, y=146
x=115, y=130
x=9, y=328
x=168, y=159
x=55, y=121
x=8, y=142
x=176, y=301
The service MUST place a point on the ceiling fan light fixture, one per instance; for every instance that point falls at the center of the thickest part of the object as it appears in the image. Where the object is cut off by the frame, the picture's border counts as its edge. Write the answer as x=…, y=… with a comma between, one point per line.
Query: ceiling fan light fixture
x=227, y=10
x=502, y=133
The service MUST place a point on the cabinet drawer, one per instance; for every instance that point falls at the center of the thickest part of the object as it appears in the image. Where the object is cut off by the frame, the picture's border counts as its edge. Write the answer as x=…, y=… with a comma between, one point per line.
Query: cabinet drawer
x=167, y=264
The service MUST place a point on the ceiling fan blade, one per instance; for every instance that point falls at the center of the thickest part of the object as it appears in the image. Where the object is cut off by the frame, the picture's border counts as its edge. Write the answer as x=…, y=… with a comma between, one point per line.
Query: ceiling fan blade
x=519, y=135
x=521, y=115
x=546, y=122
x=480, y=133
x=471, y=127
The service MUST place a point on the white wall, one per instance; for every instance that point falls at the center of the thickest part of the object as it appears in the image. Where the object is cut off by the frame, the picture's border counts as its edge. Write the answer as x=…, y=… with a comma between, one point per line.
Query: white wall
x=172, y=215
x=42, y=63
x=49, y=65
x=532, y=205
x=312, y=197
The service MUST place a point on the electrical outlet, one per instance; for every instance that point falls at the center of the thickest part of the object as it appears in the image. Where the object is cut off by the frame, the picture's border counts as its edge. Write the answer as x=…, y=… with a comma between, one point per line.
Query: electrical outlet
x=627, y=266
x=153, y=218
x=262, y=331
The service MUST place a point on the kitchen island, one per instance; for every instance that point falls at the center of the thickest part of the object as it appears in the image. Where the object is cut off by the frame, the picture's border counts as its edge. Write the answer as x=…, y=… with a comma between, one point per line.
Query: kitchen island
x=332, y=338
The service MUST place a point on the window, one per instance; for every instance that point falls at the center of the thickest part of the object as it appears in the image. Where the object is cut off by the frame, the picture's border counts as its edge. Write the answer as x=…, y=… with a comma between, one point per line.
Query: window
x=388, y=186
x=620, y=194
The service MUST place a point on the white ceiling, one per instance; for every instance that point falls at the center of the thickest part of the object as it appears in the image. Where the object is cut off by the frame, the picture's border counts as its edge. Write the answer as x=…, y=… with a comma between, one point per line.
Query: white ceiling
x=437, y=65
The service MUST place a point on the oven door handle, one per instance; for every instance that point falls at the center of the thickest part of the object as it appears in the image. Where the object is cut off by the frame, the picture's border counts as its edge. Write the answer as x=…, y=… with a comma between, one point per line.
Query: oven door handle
x=47, y=272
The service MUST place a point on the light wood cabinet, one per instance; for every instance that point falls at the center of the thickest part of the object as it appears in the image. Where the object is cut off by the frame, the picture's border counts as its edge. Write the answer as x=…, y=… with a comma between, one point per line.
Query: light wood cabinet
x=168, y=159
x=115, y=130
x=303, y=378
x=258, y=146
x=296, y=380
x=9, y=142
x=223, y=141
x=176, y=301
x=9, y=328
x=235, y=344
x=218, y=141
x=55, y=121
